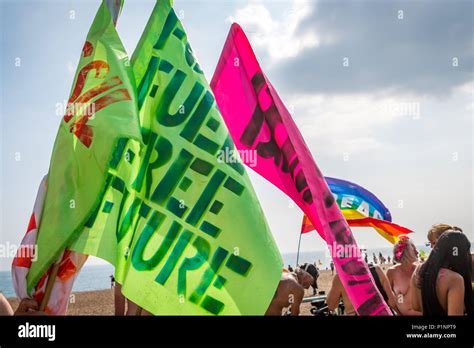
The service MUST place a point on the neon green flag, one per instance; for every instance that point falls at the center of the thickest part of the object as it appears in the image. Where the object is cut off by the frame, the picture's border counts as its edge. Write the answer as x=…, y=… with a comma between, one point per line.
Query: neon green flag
x=101, y=108
x=190, y=235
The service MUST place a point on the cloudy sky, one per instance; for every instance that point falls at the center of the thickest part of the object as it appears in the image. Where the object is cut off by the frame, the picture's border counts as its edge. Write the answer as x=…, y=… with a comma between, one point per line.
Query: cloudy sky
x=382, y=93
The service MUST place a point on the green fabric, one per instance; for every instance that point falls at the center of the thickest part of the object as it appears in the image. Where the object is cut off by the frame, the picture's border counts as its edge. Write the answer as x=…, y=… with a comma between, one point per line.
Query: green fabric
x=184, y=230
x=102, y=108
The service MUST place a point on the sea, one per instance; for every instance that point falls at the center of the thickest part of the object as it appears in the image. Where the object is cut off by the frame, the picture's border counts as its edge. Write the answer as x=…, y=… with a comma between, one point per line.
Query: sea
x=91, y=277
x=97, y=277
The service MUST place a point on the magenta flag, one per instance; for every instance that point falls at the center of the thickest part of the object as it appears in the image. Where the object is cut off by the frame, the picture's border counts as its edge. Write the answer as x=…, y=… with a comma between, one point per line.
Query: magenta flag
x=259, y=122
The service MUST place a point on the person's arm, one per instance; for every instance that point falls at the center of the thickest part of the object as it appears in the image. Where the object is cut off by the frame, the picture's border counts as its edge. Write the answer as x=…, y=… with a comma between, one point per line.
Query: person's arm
x=390, y=277
x=334, y=294
x=298, y=298
x=456, y=295
x=28, y=306
x=5, y=308
x=392, y=301
x=415, y=294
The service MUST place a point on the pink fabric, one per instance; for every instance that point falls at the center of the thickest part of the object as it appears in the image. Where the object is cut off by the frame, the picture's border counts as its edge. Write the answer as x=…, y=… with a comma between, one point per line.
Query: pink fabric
x=258, y=121
x=70, y=265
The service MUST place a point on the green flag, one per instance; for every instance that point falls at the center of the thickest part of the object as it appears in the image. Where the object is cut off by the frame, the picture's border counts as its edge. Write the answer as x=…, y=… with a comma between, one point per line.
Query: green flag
x=102, y=107
x=190, y=235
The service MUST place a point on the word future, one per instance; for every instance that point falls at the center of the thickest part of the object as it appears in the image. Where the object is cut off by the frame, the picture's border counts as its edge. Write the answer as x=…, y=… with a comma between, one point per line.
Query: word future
x=37, y=331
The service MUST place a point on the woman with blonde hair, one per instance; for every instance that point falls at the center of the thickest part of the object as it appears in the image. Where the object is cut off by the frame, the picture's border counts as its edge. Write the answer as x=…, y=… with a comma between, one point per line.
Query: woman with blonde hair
x=399, y=276
x=437, y=230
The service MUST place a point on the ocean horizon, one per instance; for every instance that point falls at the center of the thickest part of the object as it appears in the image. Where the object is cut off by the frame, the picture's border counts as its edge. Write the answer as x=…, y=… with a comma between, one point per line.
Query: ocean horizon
x=97, y=277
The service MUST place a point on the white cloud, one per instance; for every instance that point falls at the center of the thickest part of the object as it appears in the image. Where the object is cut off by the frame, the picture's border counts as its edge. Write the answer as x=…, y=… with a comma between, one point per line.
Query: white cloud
x=277, y=36
x=350, y=123
x=467, y=91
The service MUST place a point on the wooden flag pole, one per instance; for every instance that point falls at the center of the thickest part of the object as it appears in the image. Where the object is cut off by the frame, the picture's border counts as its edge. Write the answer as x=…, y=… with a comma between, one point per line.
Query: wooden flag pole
x=49, y=285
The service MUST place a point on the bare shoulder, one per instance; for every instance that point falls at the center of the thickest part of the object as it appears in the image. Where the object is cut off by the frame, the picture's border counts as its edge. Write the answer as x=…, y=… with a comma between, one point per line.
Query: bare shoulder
x=395, y=267
x=286, y=281
x=451, y=278
x=449, y=281
x=392, y=270
x=290, y=282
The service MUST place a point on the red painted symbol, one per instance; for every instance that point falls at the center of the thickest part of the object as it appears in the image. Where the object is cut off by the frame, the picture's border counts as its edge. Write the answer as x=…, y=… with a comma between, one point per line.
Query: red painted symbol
x=84, y=105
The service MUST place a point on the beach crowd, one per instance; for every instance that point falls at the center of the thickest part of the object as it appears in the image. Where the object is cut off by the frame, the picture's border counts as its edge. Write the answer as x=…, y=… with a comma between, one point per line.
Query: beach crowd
x=437, y=286
x=412, y=285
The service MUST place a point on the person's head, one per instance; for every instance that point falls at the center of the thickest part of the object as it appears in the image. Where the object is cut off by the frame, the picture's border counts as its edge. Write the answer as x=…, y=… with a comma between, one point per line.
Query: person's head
x=313, y=271
x=304, y=278
x=452, y=251
x=404, y=251
x=437, y=230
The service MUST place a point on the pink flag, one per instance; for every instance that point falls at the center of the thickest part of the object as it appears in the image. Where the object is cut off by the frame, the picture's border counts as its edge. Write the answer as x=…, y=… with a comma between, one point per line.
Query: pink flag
x=258, y=121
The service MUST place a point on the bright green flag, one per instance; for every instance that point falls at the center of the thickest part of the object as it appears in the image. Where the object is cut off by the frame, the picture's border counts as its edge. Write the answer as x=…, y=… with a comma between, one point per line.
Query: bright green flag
x=102, y=107
x=190, y=236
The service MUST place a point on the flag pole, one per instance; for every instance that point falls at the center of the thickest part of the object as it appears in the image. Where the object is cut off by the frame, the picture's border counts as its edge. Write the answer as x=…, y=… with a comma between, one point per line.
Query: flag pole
x=298, y=254
x=49, y=285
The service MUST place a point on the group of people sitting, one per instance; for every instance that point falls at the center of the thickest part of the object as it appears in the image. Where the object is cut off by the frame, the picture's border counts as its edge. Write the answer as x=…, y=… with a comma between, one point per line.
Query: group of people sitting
x=441, y=285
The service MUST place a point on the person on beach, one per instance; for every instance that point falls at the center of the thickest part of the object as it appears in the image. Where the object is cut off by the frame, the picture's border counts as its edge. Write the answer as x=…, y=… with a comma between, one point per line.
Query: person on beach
x=383, y=285
x=27, y=306
x=290, y=292
x=399, y=276
x=5, y=308
x=313, y=271
x=332, y=267
x=443, y=284
x=338, y=293
x=437, y=230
